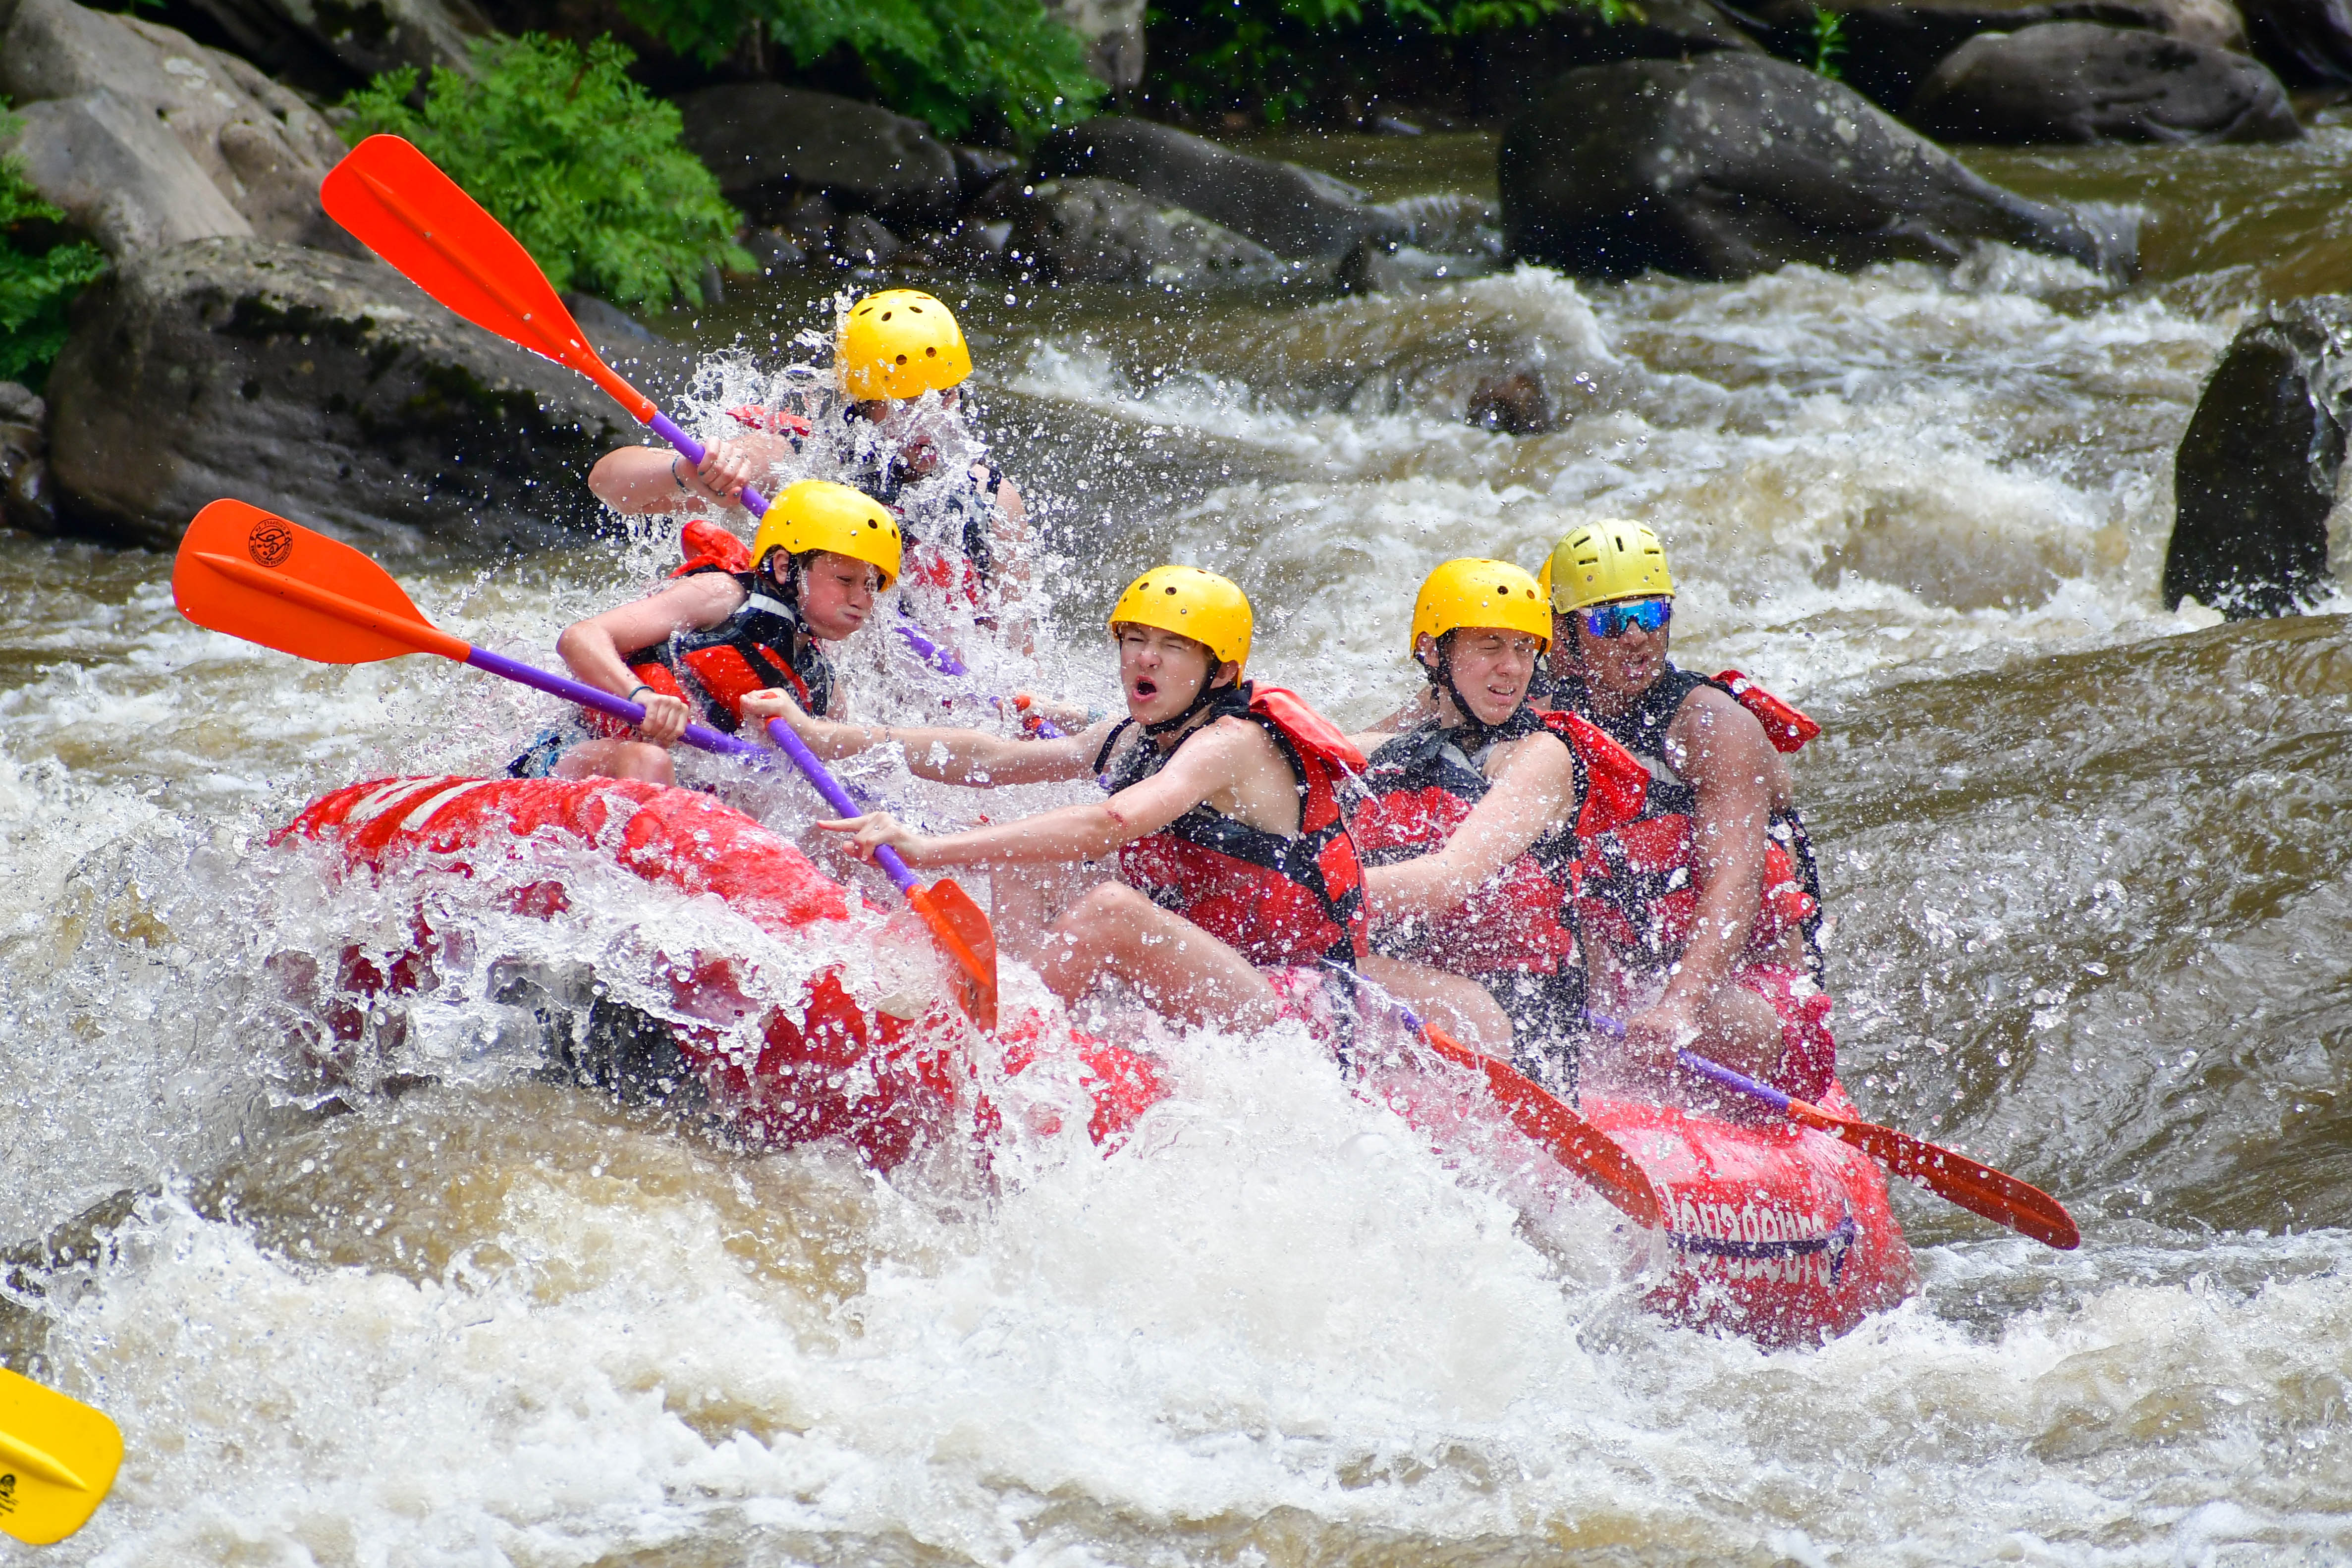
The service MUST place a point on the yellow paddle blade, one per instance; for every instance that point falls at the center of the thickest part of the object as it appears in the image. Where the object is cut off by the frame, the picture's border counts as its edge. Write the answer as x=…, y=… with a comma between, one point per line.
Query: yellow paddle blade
x=58, y=1459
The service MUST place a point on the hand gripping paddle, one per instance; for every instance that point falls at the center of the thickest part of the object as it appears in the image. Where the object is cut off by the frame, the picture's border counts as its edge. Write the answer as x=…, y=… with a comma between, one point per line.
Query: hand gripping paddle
x=253, y=575
x=1949, y=1175
x=1544, y=1118
x=399, y=203
x=58, y=1459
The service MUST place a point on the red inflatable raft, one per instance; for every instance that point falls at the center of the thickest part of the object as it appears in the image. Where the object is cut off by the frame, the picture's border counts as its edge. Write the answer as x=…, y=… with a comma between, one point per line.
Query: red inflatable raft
x=1780, y=1234
x=832, y=1069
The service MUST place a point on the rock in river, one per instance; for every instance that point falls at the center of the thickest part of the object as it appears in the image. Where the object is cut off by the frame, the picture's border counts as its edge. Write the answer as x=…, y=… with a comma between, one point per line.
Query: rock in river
x=326, y=388
x=146, y=138
x=1291, y=210
x=2255, y=475
x=2307, y=42
x=2075, y=81
x=772, y=146
x=1099, y=231
x=1733, y=164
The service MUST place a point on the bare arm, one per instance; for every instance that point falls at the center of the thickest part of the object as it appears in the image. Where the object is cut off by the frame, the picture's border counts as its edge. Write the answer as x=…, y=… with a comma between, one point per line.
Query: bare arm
x=1535, y=793
x=643, y=479
x=1730, y=762
x=1207, y=764
x=593, y=648
x=950, y=756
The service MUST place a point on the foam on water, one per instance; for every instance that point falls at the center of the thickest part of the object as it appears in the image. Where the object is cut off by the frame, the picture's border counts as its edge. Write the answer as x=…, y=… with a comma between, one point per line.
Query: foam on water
x=500, y=1319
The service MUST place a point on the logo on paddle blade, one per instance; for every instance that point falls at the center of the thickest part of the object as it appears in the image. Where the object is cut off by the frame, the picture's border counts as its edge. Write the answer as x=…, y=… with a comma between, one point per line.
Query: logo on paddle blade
x=7, y=1494
x=270, y=543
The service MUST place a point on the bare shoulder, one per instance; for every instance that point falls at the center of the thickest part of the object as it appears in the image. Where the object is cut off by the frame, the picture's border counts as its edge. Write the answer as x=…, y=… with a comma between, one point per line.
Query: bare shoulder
x=706, y=596
x=1541, y=758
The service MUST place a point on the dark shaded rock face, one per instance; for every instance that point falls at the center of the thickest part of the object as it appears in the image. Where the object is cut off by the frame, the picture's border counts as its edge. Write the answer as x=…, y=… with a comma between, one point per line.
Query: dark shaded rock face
x=2254, y=477
x=1099, y=231
x=1516, y=65
x=23, y=462
x=1291, y=210
x=2307, y=42
x=771, y=144
x=326, y=389
x=1734, y=164
x=1889, y=51
x=334, y=43
x=1515, y=404
x=2075, y=81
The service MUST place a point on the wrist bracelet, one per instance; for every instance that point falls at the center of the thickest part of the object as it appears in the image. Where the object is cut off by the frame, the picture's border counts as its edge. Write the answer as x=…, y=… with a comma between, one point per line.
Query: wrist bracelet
x=640, y=686
x=678, y=478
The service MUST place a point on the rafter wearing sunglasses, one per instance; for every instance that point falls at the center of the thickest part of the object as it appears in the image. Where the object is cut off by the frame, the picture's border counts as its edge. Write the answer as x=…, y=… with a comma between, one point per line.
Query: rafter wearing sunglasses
x=1614, y=620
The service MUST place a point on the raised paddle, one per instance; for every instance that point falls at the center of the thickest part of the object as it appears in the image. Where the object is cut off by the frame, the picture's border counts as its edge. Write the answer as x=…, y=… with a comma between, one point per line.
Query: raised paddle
x=1949, y=1175
x=399, y=203
x=1548, y=1120
x=58, y=1459
x=255, y=575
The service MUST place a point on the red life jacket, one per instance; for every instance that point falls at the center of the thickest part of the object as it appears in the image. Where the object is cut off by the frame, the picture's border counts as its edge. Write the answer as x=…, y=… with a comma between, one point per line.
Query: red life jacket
x=1421, y=786
x=1637, y=884
x=1276, y=901
x=762, y=644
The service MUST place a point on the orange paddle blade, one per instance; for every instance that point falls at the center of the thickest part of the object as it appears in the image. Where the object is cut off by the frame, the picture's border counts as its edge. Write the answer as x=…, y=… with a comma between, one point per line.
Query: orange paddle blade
x=1953, y=1176
x=255, y=575
x=399, y=203
x=1544, y=1117
x=962, y=928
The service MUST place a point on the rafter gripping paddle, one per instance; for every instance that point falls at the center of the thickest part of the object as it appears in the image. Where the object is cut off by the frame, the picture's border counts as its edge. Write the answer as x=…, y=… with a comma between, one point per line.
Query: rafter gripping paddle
x=399, y=203
x=255, y=575
x=1548, y=1120
x=1953, y=1176
x=57, y=1461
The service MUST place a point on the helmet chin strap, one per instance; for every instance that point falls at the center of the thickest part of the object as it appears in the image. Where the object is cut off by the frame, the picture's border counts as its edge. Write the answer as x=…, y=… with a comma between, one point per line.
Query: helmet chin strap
x=1441, y=678
x=1203, y=699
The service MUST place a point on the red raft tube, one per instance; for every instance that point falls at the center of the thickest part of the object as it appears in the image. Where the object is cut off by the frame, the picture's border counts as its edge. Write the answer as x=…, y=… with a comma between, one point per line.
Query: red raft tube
x=887, y=1085
x=1773, y=1232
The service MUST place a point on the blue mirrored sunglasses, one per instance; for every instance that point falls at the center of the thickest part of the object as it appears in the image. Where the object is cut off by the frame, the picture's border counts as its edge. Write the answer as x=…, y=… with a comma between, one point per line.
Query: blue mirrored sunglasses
x=1613, y=620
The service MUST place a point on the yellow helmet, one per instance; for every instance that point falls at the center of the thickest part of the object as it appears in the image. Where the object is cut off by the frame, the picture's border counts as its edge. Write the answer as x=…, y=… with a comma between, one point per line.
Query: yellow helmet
x=1482, y=594
x=817, y=514
x=1605, y=560
x=902, y=343
x=1191, y=604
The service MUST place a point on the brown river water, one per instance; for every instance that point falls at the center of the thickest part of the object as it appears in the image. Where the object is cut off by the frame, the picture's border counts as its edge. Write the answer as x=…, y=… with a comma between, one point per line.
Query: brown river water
x=2091, y=863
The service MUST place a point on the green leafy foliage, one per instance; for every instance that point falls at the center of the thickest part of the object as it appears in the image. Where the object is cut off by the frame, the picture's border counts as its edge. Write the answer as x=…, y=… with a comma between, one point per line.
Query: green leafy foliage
x=946, y=61
x=578, y=161
x=1829, y=42
x=1278, y=56
x=40, y=273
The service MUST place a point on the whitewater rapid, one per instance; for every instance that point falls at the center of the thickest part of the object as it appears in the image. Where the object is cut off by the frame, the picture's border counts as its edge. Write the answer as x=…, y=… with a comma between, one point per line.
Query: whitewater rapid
x=2072, y=839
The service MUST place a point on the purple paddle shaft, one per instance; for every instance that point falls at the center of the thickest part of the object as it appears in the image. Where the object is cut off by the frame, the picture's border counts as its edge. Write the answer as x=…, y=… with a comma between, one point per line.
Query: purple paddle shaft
x=660, y=425
x=836, y=796
x=1706, y=1067
x=531, y=675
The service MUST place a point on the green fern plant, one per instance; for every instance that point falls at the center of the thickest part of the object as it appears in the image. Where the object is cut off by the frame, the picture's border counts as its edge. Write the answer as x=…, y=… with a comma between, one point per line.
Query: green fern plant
x=41, y=271
x=577, y=160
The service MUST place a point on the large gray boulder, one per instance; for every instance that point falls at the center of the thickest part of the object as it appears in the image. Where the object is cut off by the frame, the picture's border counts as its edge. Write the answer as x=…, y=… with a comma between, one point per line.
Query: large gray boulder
x=119, y=175
x=2255, y=475
x=1291, y=210
x=1099, y=231
x=1888, y=50
x=340, y=43
x=2077, y=82
x=2308, y=43
x=115, y=79
x=1515, y=64
x=326, y=388
x=772, y=146
x=1734, y=164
